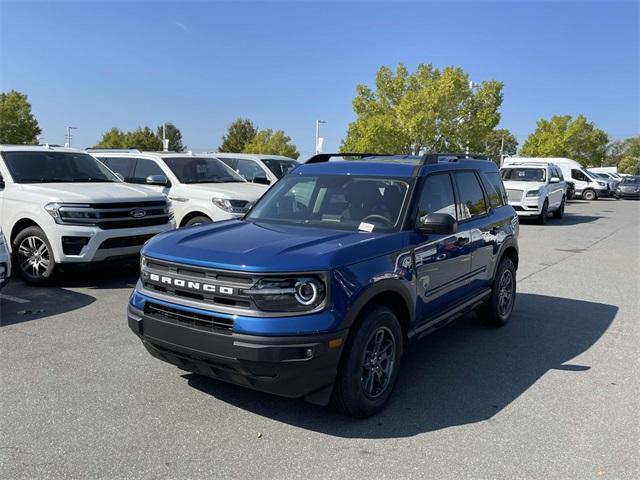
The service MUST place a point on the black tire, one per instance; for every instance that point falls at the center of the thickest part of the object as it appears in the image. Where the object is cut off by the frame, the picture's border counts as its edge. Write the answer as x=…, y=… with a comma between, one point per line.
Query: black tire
x=589, y=195
x=200, y=219
x=559, y=213
x=365, y=378
x=33, y=256
x=495, y=312
x=542, y=218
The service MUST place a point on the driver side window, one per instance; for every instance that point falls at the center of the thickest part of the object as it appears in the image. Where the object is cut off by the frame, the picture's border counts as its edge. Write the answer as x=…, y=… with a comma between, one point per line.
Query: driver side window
x=437, y=196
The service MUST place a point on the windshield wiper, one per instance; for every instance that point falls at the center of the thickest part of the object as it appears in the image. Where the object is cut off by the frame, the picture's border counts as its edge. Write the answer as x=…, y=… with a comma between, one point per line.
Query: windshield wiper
x=44, y=180
x=204, y=181
x=92, y=180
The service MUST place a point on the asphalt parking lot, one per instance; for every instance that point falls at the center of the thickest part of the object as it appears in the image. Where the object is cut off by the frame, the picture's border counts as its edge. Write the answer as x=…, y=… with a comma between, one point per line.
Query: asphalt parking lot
x=554, y=394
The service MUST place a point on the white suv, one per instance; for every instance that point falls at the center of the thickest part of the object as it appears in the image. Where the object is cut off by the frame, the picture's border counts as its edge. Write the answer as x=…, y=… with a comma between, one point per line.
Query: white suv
x=535, y=189
x=258, y=168
x=60, y=205
x=201, y=189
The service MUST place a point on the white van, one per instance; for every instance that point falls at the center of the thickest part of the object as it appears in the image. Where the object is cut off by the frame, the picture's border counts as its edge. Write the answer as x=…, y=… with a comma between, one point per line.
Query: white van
x=587, y=185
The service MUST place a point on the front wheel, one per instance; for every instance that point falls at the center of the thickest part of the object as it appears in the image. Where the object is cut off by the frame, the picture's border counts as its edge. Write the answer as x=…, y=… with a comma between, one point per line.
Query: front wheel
x=589, y=195
x=542, y=218
x=199, y=220
x=33, y=256
x=498, y=308
x=559, y=213
x=369, y=365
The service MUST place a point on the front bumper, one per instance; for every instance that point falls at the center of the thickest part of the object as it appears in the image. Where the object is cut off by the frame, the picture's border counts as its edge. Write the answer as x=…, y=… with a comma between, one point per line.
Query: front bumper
x=102, y=244
x=527, y=207
x=289, y=366
x=621, y=194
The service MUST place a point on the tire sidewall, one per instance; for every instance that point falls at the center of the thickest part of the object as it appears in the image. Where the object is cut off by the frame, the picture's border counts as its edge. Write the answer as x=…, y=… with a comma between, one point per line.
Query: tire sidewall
x=33, y=232
x=493, y=315
x=589, y=193
x=199, y=220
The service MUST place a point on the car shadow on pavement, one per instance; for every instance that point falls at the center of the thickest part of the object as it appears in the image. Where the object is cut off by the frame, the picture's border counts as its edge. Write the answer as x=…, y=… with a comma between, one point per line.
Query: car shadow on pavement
x=464, y=373
x=568, y=219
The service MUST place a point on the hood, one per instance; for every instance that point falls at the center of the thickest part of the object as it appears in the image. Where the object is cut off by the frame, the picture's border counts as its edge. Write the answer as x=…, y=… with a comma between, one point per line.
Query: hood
x=93, y=192
x=511, y=184
x=261, y=247
x=232, y=191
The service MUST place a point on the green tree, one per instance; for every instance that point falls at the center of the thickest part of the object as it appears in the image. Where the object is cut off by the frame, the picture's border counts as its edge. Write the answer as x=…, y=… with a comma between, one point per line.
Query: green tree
x=499, y=140
x=428, y=110
x=273, y=143
x=630, y=162
x=114, y=138
x=143, y=139
x=17, y=123
x=174, y=135
x=239, y=134
x=564, y=136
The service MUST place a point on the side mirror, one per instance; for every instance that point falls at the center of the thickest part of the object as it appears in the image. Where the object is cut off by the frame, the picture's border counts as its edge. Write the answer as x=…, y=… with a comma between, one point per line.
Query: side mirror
x=554, y=180
x=158, y=180
x=439, y=223
x=261, y=180
x=120, y=177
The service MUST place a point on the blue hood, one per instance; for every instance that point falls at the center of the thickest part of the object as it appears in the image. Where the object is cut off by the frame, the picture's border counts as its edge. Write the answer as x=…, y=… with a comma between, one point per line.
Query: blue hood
x=262, y=247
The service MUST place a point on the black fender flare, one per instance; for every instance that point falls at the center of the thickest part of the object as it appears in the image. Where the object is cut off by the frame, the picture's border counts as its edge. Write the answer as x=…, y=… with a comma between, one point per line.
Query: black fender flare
x=510, y=242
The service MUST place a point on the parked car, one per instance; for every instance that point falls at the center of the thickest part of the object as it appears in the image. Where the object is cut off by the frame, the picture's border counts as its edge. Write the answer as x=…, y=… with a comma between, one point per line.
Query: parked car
x=202, y=189
x=587, y=186
x=318, y=290
x=62, y=206
x=571, y=190
x=610, y=179
x=5, y=261
x=629, y=187
x=258, y=168
x=535, y=189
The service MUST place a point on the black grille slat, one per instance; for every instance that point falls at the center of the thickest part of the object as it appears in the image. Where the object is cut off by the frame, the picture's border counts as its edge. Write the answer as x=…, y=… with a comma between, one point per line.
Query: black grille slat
x=133, y=223
x=196, y=320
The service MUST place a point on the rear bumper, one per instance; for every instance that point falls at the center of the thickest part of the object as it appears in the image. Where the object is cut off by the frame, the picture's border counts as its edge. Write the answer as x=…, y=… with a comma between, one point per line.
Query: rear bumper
x=291, y=366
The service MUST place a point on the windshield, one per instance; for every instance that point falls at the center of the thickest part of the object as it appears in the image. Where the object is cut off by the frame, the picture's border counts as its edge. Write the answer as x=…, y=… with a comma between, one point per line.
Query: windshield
x=58, y=167
x=630, y=181
x=524, y=174
x=341, y=202
x=280, y=167
x=201, y=170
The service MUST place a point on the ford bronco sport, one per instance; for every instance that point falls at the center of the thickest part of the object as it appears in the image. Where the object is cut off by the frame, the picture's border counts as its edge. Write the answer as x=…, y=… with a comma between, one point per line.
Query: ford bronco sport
x=317, y=291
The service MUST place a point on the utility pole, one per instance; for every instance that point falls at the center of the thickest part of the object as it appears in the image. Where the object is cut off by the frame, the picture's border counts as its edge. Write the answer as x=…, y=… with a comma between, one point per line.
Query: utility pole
x=318, y=122
x=69, y=136
x=501, y=149
x=165, y=142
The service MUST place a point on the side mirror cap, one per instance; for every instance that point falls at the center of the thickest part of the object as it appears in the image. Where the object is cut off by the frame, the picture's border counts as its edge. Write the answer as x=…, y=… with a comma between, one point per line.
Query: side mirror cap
x=261, y=180
x=554, y=180
x=157, y=180
x=439, y=223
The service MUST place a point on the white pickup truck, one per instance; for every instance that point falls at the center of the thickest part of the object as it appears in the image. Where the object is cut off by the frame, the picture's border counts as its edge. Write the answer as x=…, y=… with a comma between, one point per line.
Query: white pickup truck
x=60, y=205
x=201, y=189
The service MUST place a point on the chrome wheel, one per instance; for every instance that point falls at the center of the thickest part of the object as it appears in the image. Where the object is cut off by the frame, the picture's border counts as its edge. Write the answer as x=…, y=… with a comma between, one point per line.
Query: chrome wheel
x=34, y=257
x=378, y=362
x=505, y=293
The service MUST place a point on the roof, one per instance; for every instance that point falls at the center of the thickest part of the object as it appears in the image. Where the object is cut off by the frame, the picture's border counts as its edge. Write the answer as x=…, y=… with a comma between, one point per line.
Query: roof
x=137, y=153
x=38, y=148
x=254, y=156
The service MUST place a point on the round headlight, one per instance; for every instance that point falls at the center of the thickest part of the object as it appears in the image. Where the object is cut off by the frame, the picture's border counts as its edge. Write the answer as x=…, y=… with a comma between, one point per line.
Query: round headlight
x=306, y=292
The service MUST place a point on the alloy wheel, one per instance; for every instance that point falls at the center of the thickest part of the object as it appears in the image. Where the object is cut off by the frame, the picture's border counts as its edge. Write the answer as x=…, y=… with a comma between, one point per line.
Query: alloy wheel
x=505, y=293
x=378, y=362
x=34, y=257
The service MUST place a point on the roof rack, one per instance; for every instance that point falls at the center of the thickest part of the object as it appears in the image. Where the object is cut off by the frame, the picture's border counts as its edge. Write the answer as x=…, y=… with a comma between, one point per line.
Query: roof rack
x=325, y=157
x=96, y=149
x=431, y=158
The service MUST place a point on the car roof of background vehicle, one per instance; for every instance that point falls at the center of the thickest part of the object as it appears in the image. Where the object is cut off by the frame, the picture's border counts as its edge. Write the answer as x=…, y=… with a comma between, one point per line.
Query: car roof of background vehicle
x=249, y=156
x=38, y=148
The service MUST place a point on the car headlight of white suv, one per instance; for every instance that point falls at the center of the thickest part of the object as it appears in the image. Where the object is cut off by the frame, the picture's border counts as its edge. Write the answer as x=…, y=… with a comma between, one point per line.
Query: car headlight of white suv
x=533, y=193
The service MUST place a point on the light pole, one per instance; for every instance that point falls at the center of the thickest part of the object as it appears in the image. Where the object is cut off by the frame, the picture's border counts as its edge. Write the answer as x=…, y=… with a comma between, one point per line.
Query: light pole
x=318, y=122
x=69, y=136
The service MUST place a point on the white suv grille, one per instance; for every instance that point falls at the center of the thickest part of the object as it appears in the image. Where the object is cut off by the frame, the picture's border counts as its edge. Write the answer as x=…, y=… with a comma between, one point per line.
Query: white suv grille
x=514, y=195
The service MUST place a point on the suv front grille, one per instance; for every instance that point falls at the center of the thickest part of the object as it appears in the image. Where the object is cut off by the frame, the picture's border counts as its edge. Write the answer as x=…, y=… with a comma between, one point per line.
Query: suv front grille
x=514, y=195
x=110, y=216
x=195, y=320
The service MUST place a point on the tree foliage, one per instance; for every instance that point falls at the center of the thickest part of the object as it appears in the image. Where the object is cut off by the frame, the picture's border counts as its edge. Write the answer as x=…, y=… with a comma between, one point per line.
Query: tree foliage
x=174, y=135
x=273, y=143
x=428, y=110
x=17, y=123
x=630, y=158
x=143, y=138
x=564, y=136
x=114, y=138
x=494, y=143
x=239, y=134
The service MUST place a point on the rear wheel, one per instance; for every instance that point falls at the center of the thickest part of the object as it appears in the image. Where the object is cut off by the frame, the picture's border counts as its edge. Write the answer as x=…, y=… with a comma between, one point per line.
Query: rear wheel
x=542, y=218
x=369, y=365
x=589, y=194
x=200, y=219
x=559, y=213
x=498, y=308
x=33, y=256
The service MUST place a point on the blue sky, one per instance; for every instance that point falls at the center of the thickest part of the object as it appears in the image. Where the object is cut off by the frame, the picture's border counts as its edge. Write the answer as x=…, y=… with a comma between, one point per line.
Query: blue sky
x=96, y=65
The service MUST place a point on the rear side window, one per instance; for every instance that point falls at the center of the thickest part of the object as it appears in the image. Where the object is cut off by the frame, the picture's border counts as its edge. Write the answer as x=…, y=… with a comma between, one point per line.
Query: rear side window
x=495, y=189
x=437, y=196
x=470, y=196
x=120, y=165
x=145, y=168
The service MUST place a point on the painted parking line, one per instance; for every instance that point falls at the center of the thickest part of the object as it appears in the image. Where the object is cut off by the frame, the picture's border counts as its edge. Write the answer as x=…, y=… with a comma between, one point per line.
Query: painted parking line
x=4, y=296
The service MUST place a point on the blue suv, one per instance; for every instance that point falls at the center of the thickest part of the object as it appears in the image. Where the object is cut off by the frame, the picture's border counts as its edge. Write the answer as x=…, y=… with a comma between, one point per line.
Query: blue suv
x=317, y=291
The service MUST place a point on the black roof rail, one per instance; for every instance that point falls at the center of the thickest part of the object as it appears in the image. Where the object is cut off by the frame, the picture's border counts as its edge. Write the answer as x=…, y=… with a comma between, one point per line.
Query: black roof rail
x=325, y=157
x=431, y=158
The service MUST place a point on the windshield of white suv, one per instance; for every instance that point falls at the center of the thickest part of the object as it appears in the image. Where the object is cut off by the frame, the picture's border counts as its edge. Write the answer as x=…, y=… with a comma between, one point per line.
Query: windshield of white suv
x=201, y=170
x=523, y=174
x=280, y=167
x=340, y=202
x=56, y=167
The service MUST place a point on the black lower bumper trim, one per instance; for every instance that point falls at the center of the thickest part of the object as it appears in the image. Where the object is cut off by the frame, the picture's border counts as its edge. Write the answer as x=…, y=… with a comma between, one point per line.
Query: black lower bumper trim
x=292, y=366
